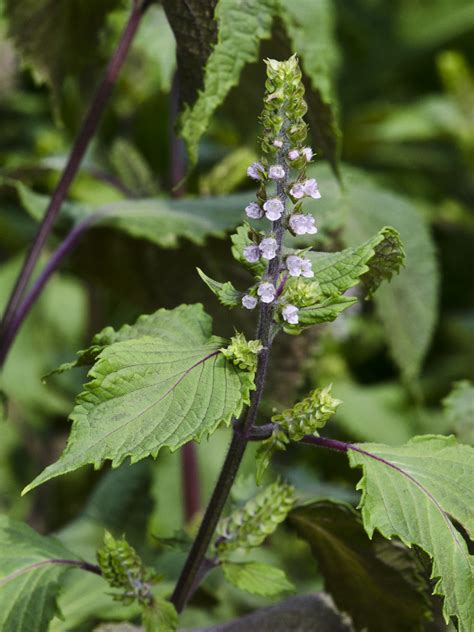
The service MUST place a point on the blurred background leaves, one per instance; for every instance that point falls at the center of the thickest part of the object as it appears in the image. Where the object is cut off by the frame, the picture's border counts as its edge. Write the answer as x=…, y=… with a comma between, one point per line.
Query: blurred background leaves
x=390, y=88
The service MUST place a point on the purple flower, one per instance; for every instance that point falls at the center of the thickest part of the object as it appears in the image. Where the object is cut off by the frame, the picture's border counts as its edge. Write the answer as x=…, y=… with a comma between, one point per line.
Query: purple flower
x=308, y=188
x=297, y=191
x=307, y=152
x=298, y=266
x=256, y=171
x=276, y=172
x=266, y=291
x=311, y=188
x=306, y=269
x=290, y=314
x=293, y=154
x=302, y=224
x=249, y=301
x=278, y=143
x=273, y=209
x=254, y=211
x=268, y=248
x=252, y=253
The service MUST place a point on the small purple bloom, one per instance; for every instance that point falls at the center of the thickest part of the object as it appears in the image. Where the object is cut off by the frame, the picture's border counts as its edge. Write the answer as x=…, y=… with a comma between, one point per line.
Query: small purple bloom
x=268, y=248
x=254, y=211
x=297, y=191
x=256, y=171
x=293, y=154
x=307, y=152
x=266, y=291
x=278, y=143
x=311, y=188
x=249, y=301
x=290, y=314
x=252, y=253
x=302, y=224
x=273, y=209
x=276, y=172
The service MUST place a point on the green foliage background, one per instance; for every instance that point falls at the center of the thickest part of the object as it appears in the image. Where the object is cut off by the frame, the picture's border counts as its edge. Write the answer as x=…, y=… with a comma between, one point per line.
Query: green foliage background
x=390, y=89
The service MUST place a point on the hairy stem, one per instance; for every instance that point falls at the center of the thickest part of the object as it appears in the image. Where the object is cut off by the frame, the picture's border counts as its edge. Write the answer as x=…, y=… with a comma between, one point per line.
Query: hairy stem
x=187, y=583
x=86, y=133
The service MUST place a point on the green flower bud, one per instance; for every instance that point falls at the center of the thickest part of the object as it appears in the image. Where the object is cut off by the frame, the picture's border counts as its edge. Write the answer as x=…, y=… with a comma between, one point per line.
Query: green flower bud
x=122, y=568
x=302, y=292
x=293, y=424
x=250, y=526
x=306, y=416
x=284, y=105
x=243, y=353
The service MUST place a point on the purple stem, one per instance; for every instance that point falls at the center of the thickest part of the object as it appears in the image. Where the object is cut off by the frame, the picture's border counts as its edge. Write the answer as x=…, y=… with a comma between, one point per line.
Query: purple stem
x=241, y=432
x=332, y=444
x=86, y=133
x=10, y=331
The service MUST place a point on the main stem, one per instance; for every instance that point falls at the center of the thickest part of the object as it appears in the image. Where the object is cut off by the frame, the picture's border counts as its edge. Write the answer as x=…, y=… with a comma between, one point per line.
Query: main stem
x=86, y=132
x=241, y=431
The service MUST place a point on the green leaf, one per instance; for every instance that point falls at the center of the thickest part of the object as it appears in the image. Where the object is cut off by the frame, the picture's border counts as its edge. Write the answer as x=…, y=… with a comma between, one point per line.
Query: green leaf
x=58, y=38
x=311, y=27
x=325, y=311
x=375, y=260
x=159, y=220
x=160, y=617
x=459, y=408
x=52, y=331
x=358, y=572
x=414, y=492
x=408, y=305
x=30, y=577
x=149, y=392
x=189, y=323
x=225, y=292
x=241, y=27
x=257, y=578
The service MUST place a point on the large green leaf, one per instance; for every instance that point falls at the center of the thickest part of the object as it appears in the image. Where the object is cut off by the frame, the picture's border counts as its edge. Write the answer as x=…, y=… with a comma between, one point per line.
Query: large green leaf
x=30, y=577
x=58, y=38
x=375, y=260
x=311, y=27
x=414, y=492
x=162, y=221
x=241, y=27
x=358, y=572
x=186, y=323
x=152, y=392
x=408, y=304
x=257, y=578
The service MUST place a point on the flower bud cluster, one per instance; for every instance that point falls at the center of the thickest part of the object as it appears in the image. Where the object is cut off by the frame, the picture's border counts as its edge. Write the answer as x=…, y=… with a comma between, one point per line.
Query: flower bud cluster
x=293, y=424
x=243, y=353
x=248, y=527
x=282, y=182
x=122, y=568
x=306, y=416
